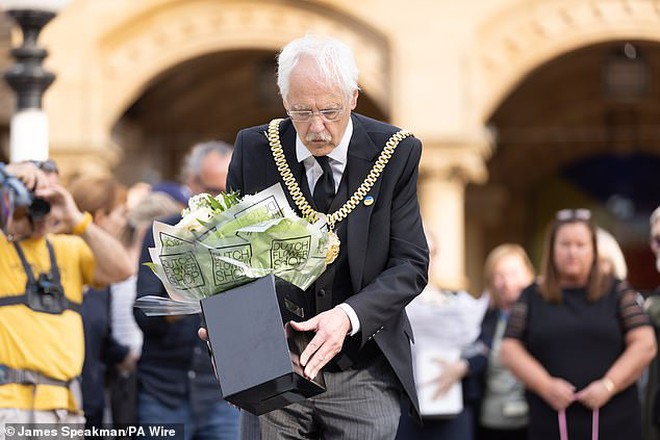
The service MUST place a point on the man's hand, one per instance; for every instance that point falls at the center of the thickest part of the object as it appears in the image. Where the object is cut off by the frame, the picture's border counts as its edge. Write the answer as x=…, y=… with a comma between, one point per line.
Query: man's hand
x=28, y=173
x=331, y=328
x=62, y=200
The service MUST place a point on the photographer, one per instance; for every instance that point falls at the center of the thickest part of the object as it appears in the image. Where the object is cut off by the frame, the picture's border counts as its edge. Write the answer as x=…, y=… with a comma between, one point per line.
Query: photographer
x=41, y=281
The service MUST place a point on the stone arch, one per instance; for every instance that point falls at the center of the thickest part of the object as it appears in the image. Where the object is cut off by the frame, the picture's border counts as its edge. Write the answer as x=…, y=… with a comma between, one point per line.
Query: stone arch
x=512, y=44
x=161, y=37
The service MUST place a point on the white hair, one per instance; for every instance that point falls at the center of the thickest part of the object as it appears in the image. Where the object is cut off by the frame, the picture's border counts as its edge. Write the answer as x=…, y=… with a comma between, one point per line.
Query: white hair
x=334, y=58
x=655, y=216
x=609, y=249
x=192, y=163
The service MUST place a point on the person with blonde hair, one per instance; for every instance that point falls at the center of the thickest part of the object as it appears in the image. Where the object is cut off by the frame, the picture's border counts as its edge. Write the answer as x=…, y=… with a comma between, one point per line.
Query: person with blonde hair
x=579, y=340
x=503, y=409
x=610, y=255
x=105, y=199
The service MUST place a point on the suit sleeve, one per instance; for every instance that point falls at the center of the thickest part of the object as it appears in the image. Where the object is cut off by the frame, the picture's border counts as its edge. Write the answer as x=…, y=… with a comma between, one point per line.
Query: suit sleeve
x=405, y=273
x=235, y=173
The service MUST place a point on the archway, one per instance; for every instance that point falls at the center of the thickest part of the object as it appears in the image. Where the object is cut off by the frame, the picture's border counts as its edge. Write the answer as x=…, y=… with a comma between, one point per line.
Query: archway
x=208, y=97
x=581, y=131
x=510, y=50
x=161, y=38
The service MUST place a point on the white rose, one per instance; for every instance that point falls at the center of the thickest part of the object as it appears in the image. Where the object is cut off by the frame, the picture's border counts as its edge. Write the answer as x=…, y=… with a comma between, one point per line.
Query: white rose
x=191, y=220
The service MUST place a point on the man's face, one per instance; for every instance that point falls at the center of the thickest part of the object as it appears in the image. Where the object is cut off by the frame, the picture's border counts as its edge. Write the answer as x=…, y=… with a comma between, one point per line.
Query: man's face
x=655, y=243
x=307, y=92
x=212, y=178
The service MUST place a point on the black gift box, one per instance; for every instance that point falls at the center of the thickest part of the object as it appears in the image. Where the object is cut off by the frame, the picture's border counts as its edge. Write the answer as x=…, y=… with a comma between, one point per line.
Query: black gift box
x=256, y=360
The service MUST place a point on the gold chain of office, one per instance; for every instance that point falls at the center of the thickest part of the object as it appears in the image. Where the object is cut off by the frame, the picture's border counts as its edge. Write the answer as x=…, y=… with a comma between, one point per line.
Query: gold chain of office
x=303, y=205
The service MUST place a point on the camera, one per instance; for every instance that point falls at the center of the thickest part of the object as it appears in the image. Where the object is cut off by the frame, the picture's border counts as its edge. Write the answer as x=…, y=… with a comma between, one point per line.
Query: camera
x=15, y=197
x=46, y=294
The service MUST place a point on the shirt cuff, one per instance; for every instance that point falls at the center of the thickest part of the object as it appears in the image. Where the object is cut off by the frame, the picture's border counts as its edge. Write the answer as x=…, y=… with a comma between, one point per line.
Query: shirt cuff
x=352, y=316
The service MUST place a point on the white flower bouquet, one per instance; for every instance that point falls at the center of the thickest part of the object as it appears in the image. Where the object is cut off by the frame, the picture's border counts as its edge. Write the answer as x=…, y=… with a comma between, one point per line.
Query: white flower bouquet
x=225, y=241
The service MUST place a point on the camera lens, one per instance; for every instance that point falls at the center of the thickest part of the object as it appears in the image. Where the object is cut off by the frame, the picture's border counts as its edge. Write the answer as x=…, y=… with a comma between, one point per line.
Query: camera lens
x=39, y=208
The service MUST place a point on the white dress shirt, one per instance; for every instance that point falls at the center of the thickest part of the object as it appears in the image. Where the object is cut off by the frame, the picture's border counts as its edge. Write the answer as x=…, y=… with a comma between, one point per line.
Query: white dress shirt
x=337, y=159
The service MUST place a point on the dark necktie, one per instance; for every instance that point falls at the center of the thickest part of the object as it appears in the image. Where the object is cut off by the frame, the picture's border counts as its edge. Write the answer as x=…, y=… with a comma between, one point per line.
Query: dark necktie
x=324, y=190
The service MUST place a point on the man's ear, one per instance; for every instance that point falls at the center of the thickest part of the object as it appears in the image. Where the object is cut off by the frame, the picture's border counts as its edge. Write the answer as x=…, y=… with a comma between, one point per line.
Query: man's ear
x=354, y=98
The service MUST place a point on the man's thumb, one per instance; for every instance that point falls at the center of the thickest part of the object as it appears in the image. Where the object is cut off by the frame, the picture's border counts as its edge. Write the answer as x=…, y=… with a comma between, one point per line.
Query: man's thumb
x=303, y=326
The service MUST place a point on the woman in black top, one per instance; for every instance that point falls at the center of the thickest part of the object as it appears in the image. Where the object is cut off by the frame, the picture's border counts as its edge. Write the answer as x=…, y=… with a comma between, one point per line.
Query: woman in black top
x=579, y=340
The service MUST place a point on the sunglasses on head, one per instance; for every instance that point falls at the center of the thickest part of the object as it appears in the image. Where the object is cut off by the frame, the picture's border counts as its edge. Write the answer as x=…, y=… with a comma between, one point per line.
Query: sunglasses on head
x=566, y=215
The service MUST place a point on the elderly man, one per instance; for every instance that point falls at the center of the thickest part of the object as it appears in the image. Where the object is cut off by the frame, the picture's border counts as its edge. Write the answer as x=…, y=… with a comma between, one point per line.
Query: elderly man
x=321, y=154
x=41, y=282
x=176, y=382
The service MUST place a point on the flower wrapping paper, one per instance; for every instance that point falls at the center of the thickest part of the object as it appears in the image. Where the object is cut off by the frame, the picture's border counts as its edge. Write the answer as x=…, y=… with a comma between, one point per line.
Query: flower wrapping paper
x=225, y=241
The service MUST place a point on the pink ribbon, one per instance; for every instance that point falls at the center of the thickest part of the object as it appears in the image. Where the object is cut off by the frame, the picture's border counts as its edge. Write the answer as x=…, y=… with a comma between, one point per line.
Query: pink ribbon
x=563, y=427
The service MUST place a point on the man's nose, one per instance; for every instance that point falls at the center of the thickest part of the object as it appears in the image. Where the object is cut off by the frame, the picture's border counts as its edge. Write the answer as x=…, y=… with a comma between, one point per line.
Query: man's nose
x=316, y=123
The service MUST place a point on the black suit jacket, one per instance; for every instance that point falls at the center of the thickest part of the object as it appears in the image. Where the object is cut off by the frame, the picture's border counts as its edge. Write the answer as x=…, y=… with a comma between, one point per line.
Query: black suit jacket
x=386, y=247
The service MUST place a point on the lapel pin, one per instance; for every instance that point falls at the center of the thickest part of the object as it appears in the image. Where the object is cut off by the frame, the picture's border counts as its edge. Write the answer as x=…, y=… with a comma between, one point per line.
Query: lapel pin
x=368, y=201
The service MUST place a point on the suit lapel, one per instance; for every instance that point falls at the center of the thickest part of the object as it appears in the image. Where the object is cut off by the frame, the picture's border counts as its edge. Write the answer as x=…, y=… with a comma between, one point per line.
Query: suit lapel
x=362, y=153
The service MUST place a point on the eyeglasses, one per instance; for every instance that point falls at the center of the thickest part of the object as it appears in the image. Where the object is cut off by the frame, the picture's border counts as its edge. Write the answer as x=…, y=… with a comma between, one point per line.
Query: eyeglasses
x=566, y=215
x=330, y=114
x=47, y=166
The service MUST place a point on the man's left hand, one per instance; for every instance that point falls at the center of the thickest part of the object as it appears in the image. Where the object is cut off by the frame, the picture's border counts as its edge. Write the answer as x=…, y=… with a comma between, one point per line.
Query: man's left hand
x=331, y=328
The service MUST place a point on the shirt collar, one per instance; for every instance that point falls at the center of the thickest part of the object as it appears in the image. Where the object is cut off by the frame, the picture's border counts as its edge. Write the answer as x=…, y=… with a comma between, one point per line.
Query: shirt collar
x=339, y=153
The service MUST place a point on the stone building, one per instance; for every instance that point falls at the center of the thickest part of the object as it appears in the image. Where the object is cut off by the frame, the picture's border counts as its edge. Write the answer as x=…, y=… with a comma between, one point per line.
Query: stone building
x=524, y=106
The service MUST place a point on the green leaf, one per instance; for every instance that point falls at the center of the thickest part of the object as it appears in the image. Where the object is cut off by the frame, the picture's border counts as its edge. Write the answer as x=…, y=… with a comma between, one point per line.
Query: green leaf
x=214, y=204
x=150, y=265
x=203, y=223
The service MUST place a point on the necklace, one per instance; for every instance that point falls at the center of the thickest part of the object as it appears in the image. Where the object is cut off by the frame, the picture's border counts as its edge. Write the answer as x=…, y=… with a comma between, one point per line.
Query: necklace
x=301, y=202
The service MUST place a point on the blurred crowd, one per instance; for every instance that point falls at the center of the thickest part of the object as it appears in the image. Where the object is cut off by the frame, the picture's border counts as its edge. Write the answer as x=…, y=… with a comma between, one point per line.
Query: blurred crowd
x=568, y=352
x=556, y=354
x=102, y=361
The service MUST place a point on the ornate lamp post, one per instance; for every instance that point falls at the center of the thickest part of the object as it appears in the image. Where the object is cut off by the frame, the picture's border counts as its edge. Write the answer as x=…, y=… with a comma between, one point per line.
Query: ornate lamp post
x=28, y=137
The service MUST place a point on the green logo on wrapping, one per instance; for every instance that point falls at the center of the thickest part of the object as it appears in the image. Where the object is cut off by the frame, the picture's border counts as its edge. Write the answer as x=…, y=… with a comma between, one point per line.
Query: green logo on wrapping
x=263, y=210
x=182, y=270
x=168, y=240
x=290, y=252
x=225, y=272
